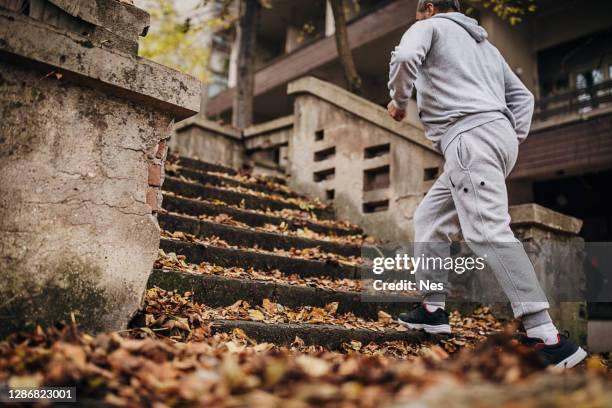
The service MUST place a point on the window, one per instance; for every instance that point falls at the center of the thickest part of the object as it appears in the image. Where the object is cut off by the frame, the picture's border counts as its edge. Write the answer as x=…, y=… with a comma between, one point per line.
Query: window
x=376, y=151
x=375, y=206
x=430, y=173
x=376, y=178
x=585, y=81
x=323, y=175
x=325, y=154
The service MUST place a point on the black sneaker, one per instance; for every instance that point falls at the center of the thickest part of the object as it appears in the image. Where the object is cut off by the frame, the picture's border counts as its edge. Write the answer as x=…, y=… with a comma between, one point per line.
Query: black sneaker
x=564, y=354
x=421, y=319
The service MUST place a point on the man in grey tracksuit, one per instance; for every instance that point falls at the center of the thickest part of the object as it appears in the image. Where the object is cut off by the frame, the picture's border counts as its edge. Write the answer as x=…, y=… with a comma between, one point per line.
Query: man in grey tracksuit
x=476, y=111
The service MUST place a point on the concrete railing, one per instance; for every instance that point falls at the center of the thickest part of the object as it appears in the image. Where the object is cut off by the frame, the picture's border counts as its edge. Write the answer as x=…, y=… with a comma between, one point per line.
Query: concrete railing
x=84, y=130
x=349, y=151
x=267, y=146
x=203, y=139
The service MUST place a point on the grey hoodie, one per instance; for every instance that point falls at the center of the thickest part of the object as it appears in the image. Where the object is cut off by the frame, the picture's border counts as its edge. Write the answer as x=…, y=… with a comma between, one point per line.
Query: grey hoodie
x=462, y=80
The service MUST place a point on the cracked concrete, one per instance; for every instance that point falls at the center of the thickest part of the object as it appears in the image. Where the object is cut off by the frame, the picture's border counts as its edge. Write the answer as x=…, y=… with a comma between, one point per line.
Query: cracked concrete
x=76, y=231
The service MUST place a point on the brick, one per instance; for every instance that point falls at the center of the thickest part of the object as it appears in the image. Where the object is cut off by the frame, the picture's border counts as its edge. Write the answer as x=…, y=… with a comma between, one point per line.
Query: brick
x=153, y=199
x=155, y=174
x=162, y=149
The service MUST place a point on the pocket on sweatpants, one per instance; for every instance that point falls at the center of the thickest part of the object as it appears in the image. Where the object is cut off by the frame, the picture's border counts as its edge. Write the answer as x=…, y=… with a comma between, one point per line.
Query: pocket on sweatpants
x=463, y=153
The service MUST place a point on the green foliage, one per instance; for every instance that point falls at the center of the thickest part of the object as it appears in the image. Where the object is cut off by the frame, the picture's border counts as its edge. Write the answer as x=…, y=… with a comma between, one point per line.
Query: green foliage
x=180, y=41
x=511, y=10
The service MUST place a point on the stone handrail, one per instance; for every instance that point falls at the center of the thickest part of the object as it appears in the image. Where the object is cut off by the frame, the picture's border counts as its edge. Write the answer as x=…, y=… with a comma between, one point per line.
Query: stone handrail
x=360, y=107
x=539, y=216
x=75, y=58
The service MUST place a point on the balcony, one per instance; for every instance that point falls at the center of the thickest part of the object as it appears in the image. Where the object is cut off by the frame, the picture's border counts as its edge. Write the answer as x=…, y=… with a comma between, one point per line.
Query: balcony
x=571, y=134
x=574, y=104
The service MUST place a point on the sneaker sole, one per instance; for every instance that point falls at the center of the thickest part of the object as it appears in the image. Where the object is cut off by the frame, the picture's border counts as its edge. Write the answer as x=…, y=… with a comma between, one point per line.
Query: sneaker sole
x=437, y=329
x=573, y=360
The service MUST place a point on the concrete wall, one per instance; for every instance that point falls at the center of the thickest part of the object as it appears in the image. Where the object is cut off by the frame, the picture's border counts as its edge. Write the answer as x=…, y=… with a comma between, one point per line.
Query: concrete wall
x=381, y=168
x=83, y=139
x=202, y=139
x=556, y=250
x=267, y=144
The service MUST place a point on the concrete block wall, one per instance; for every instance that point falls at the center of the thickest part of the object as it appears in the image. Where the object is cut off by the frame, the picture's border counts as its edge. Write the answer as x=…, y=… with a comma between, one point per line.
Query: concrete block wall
x=267, y=146
x=203, y=139
x=348, y=151
x=84, y=130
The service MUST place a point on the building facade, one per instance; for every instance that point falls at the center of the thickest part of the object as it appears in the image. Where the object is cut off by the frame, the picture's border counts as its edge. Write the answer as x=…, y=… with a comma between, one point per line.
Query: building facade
x=562, y=52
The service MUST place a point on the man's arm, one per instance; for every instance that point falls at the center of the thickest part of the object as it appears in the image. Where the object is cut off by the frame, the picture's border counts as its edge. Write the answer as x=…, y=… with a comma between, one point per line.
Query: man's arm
x=406, y=59
x=520, y=101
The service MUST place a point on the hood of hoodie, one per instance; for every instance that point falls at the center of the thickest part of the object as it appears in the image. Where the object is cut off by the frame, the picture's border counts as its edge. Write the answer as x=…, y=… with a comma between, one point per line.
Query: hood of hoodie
x=469, y=24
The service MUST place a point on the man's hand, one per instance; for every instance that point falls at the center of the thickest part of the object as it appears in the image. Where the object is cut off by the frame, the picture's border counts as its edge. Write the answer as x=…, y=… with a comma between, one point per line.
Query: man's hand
x=395, y=112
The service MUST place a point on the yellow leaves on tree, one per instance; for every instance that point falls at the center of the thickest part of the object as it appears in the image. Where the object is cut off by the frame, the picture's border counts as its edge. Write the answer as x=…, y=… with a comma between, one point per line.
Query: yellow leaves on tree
x=179, y=41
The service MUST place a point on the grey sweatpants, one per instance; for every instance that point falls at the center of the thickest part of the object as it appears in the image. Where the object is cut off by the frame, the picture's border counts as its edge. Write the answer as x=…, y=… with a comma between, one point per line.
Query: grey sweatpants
x=470, y=196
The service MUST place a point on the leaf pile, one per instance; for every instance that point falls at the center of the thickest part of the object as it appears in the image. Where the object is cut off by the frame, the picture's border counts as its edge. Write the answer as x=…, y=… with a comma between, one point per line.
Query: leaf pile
x=305, y=253
x=173, y=162
x=182, y=364
x=255, y=179
x=303, y=203
x=295, y=215
x=168, y=310
x=175, y=262
x=231, y=370
x=282, y=229
x=177, y=317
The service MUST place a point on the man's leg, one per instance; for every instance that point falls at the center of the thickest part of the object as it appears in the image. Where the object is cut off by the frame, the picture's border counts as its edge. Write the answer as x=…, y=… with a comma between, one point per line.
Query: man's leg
x=478, y=163
x=435, y=220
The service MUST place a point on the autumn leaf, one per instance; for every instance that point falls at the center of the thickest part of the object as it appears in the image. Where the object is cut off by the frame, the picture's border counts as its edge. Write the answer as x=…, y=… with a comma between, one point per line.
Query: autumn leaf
x=313, y=366
x=256, y=315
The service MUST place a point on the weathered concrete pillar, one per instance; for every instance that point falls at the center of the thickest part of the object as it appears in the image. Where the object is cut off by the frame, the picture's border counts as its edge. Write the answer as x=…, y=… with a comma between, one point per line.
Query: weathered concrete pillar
x=556, y=250
x=266, y=146
x=206, y=140
x=83, y=134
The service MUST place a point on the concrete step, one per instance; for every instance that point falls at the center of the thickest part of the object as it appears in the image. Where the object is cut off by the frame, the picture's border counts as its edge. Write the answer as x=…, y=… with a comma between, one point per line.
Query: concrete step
x=249, y=238
x=201, y=165
x=221, y=291
x=194, y=190
x=330, y=336
x=276, y=179
x=216, y=180
x=198, y=207
x=263, y=261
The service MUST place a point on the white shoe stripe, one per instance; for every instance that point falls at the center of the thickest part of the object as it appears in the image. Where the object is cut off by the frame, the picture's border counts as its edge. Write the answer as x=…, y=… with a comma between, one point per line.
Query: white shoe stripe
x=573, y=360
x=433, y=329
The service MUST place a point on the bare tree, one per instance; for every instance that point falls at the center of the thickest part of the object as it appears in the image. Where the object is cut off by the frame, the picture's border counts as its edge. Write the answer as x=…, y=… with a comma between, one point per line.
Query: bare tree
x=344, y=49
x=242, y=107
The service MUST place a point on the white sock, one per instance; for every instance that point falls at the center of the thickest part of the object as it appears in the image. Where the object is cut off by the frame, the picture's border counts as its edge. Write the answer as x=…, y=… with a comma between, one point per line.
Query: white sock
x=433, y=306
x=548, y=333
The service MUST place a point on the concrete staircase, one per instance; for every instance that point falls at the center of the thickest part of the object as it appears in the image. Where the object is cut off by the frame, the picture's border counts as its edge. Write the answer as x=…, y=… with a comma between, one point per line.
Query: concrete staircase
x=228, y=237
